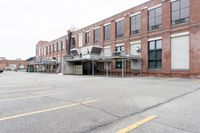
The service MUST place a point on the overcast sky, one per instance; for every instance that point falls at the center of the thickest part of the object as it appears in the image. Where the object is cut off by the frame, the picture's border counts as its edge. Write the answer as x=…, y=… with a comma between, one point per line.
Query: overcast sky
x=24, y=22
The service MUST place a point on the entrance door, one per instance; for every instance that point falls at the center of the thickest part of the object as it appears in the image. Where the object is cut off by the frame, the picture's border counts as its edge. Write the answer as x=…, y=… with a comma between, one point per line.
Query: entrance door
x=87, y=68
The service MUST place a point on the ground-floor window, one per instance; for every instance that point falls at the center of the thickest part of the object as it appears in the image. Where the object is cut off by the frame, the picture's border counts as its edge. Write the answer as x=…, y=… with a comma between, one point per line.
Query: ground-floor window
x=119, y=64
x=155, y=54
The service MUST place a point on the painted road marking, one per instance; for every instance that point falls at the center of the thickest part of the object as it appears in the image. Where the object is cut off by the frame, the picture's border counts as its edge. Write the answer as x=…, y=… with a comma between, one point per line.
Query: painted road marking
x=137, y=124
x=7, y=86
x=31, y=97
x=45, y=88
x=45, y=110
x=197, y=81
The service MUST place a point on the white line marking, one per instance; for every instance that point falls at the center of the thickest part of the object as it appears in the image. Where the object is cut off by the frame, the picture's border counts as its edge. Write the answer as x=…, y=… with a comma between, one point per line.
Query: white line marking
x=45, y=110
x=31, y=97
x=25, y=90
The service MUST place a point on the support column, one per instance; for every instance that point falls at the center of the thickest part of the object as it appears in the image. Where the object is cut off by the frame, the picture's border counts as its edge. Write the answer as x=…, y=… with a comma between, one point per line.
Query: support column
x=122, y=68
x=93, y=68
x=107, y=68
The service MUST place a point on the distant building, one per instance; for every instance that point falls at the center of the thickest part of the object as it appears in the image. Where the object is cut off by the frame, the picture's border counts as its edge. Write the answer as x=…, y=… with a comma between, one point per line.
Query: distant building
x=13, y=65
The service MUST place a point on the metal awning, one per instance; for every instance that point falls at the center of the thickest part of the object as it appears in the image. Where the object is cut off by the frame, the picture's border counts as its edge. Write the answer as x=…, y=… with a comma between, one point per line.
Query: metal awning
x=75, y=51
x=121, y=57
x=49, y=62
x=89, y=53
x=82, y=60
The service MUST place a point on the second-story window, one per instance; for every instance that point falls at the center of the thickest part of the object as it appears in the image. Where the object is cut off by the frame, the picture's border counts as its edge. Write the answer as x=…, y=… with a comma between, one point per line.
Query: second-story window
x=73, y=42
x=136, y=24
x=107, y=32
x=87, y=38
x=50, y=49
x=61, y=46
x=53, y=47
x=155, y=18
x=119, y=50
x=155, y=54
x=96, y=35
x=57, y=47
x=120, y=29
x=180, y=12
x=46, y=50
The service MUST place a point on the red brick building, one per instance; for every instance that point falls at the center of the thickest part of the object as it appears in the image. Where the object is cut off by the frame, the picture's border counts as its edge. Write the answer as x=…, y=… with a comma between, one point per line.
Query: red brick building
x=49, y=55
x=159, y=37
x=12, y=65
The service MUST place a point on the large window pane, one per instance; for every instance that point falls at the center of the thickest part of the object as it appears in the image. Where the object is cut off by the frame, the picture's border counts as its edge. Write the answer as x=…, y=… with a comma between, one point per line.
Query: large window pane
x=158, y=11
x=120, y=29
x=135, y=24
x=175, y=15
x=176, y=6
x=151, y=14
x=155, y=18
x=180, y=12
x=185, y=13
x=184, y=3
x=152, y=55
x=87, y=38
x=119, y=64
x=159, y=44
x=158, y=20
x=155, y=54
x=96, y=36
x=107, y=32
x=158, y=54
x=152, y=64
x=158, y=64
x=152, y=45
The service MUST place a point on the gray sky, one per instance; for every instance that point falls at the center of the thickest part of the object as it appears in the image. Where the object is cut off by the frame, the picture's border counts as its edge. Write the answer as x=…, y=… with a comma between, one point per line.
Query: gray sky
x=24, y=22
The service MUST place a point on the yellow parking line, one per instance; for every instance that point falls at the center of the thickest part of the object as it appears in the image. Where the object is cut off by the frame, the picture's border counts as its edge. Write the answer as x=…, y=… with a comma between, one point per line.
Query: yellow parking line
x=45, y=110
x=137, y=124
x=30, y=97
x=197, y=81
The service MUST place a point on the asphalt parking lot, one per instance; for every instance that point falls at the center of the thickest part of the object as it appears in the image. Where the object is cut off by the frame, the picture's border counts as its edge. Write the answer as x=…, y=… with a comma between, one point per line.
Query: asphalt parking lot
x=52, y=103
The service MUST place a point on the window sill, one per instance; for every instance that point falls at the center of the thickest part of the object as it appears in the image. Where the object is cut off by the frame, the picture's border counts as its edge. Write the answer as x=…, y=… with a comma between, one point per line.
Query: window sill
x=105, y=41
x=178, y=25
x=180, y=70
x=156, y=70
x=119, y=38
x=133, y=35
x=151, y=31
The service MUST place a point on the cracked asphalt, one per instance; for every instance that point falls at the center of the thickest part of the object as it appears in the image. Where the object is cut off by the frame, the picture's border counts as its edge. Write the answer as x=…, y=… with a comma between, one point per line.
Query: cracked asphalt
x=52, y=103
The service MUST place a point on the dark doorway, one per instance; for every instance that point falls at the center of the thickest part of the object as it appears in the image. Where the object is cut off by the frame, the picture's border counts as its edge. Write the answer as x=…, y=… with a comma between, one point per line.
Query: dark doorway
x=87, y=68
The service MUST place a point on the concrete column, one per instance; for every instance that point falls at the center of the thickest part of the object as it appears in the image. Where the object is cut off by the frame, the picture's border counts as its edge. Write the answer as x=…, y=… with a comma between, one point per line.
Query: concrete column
x=93, y=68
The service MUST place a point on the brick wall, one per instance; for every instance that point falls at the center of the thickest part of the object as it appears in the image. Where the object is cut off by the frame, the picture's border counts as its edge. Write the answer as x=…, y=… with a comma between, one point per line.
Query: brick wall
x=193, y=27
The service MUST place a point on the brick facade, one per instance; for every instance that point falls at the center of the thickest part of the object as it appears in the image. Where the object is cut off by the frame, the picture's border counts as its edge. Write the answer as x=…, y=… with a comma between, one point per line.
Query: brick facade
x=6, y=64
x=166, y=31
